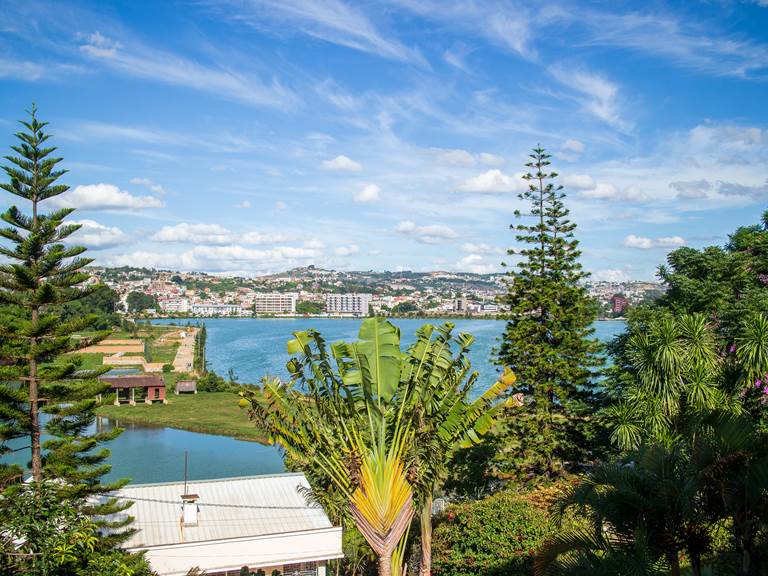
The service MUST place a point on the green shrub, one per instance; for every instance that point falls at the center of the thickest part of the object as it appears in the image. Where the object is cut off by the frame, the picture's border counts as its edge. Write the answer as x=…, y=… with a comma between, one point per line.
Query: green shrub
x=212, y=382
x=167, y=368
x=492, y=537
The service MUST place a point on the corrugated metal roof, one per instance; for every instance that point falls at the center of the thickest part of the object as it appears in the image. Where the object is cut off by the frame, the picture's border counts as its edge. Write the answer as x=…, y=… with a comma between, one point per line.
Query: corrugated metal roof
x=228, y=508
x=137, y=381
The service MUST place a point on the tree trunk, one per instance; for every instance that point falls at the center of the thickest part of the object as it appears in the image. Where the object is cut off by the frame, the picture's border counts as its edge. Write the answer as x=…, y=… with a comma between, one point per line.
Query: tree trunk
x=34, y=413
x=425, y=568
x=674, y=561
x=696, y=564
x=385, y=564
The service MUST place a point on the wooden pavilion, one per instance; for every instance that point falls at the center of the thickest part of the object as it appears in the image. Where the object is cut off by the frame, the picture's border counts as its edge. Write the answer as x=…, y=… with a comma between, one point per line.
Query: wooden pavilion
x=152, y=388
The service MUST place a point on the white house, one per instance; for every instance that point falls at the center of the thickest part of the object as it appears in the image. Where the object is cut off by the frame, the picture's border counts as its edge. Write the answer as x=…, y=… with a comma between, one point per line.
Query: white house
x=219, y=526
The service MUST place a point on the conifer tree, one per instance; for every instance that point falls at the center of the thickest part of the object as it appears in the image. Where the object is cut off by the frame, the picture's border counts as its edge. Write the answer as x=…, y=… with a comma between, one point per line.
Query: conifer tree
x=548, y=337
x=42, y=273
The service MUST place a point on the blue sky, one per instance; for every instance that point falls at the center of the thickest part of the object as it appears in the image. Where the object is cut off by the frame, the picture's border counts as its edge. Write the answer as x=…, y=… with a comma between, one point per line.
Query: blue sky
x=252, y=136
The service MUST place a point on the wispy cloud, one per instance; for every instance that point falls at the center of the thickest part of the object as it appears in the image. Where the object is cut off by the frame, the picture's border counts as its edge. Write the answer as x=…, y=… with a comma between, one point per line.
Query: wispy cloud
x=596, y=94
x=148, y=62
x=329, y=20
x=685, y=42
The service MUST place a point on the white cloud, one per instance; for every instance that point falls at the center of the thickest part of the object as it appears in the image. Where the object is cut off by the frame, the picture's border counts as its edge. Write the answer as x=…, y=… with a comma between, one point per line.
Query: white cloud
x=221, y=258
x=454, y=156
x=476, y=264
x=641, y=242
x=194, y=233
x=368, y=193
x=493, y=181
x=246, y=204
x=644, y=243
x=95, y=235
x=670, y=241
x=611, y=275
x=406, y=226
x=606, y=191
x=571, y=150
x=212, y=234
x=460, y=157
x=573, y=146
x=430, y=234
x=104, y=197
x=147, y=183
x=347, y=250
x=481, y=248
x=579, y=181
x=490, y=159
x=342, y=164
x=280, y=205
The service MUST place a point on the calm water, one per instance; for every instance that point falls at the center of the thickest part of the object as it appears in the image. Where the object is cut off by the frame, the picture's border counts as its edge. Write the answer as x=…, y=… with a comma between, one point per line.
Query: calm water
x=254, y=348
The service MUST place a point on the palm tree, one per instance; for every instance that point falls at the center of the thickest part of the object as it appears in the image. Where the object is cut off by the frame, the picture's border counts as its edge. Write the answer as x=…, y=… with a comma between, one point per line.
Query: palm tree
x=434, y=395
x=377, y=424
x=676, y=369
x=665, y=499
x=338, y=419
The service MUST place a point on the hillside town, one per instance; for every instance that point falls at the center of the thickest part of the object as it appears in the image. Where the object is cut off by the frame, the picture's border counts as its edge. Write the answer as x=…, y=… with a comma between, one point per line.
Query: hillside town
x=332, y=293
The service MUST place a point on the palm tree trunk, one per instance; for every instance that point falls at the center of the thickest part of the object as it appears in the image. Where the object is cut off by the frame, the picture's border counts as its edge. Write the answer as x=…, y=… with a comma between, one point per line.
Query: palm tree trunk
x=425, y=568
x=385, y=564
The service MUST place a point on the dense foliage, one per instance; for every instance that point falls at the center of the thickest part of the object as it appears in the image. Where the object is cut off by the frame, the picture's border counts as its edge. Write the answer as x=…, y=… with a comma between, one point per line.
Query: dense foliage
x=139, y=302
x=45, y=535
x=548, y=338
x=493, y=537
x=724, y=283
x=689, y=392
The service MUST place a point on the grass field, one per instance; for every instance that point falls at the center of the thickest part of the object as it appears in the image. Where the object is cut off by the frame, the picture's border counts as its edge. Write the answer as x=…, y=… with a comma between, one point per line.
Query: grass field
x=207, y=412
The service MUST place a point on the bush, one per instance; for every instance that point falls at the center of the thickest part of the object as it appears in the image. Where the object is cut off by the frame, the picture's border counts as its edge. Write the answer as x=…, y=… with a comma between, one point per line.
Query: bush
x=212, y=382
x=492, y=537
x=167, y=368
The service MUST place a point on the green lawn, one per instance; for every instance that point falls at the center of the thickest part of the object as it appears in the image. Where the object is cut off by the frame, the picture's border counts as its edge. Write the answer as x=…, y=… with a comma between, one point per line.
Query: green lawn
x=207, y=412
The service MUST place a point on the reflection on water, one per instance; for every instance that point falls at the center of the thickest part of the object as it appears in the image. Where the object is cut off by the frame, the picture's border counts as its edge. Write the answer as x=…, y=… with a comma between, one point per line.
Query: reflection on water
x=156, y=454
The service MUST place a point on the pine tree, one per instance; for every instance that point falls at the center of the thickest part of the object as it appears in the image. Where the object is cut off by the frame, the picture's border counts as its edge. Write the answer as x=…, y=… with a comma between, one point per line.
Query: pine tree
x=41, y=274
x=547, y=340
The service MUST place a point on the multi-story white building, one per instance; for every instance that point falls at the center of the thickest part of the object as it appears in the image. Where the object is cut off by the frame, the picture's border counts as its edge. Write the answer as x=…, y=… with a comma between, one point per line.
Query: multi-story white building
x=174, y=305
x=216, y=309
x=274, y=303
x=356, y=304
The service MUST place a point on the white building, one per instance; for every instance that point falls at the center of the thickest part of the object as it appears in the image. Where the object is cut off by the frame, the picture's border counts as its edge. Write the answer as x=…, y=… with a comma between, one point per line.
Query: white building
x=216, y=309
x=274, y=303
x=219, y=526
x=356, y=304
x=460, y=305
x=174, y=305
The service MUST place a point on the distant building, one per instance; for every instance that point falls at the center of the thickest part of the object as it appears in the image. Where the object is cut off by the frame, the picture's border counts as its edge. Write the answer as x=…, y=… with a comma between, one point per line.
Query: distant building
x=216, y=309
x=489, y=308
x=460, y=305
x=174, y=305
x=356, y=304
x=618, y=304
x=219, y=526
x=274, y=303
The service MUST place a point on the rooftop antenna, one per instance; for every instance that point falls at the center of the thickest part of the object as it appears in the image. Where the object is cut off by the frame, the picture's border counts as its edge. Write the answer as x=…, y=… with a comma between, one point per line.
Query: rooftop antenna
x=186, y=458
